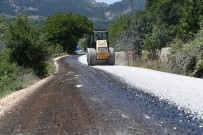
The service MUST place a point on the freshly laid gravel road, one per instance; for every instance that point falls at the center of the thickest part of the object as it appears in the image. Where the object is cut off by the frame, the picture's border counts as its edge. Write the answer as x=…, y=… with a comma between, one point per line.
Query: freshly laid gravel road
x=184, y=92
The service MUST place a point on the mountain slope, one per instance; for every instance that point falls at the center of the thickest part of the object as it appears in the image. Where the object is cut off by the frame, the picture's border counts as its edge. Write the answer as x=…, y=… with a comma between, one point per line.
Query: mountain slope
x=90, y=8
x=122, y=7
x=50, y=7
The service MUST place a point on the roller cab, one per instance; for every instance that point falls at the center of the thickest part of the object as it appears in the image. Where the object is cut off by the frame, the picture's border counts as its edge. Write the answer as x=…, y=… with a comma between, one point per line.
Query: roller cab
x=102, y=50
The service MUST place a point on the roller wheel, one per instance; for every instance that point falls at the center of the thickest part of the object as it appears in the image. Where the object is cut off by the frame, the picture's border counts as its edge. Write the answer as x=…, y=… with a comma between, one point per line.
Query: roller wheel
x=111, y=60
x=91, y=57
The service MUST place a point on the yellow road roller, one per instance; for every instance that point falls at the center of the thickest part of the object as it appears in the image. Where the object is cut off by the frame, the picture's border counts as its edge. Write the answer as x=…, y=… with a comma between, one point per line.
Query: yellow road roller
x=98, y=51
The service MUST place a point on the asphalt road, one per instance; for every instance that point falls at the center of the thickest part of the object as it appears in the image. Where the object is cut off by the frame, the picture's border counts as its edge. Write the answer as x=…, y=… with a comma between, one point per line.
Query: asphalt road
x=87, y=101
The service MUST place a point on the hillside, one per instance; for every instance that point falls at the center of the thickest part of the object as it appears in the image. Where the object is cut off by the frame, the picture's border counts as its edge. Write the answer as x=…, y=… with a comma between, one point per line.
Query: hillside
x=122, y=7
x=90, y=8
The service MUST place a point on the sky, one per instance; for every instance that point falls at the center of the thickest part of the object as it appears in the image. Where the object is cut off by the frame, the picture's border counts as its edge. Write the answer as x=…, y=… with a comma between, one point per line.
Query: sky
x=108, y=1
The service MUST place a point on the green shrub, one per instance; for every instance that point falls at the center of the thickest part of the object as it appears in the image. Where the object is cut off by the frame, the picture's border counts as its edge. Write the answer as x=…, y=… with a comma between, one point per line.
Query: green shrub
x=12, y=76
x=187, y=58
x=57, y=49
x=198, y=69
x=28, y=47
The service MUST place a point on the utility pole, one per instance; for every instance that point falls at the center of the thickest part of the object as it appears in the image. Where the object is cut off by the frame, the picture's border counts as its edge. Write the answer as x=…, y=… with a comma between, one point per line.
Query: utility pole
x=132, y=17
x=135, y=33
x=133, y=24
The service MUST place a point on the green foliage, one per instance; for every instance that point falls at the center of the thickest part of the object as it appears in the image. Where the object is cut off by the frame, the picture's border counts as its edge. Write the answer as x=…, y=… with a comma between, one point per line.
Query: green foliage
x=158, y=38
x=57, y=49
x=173, y=23
x=184, y=15
x=117, y=32
x=187, y=58
x=8, y=71
x=166, y=16
x=2, y=25
x=28, y=47
x=144, y=22
x=168, y=11
x=149, y=3
x=150, y=34
x=13, y=77
x=160, y=23
x=198, y=72
x=66, y=29
x=83, y=43
x=192, y=15
x=181, y=18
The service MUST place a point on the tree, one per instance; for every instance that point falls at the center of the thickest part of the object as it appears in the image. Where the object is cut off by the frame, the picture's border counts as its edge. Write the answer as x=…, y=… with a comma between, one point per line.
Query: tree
x=160, y=23
x=28, y=47
x=158, y=38
x=184, y=15
x=1, y=24
x=149, y=3
x=192, y=15
x=168, y=11
x=117, y=32
x=66, y=29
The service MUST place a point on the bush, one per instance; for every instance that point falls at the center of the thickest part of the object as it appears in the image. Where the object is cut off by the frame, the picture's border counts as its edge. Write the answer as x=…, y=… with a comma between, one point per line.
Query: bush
x=198, y=69
x=187, y=58
x=13, y=77
x=28, y=47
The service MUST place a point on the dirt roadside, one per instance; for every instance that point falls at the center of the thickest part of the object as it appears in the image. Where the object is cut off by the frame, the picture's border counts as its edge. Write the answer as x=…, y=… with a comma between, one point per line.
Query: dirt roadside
x=15, y=98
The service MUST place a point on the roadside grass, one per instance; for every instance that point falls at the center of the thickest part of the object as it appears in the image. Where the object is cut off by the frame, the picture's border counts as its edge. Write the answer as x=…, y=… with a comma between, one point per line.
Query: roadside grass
x=149, y=64
x=14, y=81
x=14, y=78
x=51, y=68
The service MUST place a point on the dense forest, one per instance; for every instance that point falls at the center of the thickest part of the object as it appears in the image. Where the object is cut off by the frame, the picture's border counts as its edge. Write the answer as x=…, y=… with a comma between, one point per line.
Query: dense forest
x=177, y=24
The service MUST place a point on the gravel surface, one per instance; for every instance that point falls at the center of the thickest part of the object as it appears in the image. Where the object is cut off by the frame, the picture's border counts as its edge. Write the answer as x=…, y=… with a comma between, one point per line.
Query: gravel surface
x=70, y=102
x=184, y=92
x=79, y=99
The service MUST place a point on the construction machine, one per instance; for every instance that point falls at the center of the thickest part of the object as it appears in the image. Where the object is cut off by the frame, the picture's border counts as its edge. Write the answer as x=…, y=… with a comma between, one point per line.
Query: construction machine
x=98, y=51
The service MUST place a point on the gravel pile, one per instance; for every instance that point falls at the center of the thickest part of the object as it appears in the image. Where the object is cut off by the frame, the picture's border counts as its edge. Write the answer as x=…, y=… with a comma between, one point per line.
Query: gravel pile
x=184, y=92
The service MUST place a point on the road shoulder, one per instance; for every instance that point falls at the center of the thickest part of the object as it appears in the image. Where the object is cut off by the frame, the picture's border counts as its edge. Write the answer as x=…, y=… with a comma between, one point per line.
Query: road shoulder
x=17, y=97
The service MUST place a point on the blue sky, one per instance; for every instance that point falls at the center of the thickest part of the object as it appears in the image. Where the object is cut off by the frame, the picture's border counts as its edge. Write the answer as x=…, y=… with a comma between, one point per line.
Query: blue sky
x=108, y=1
